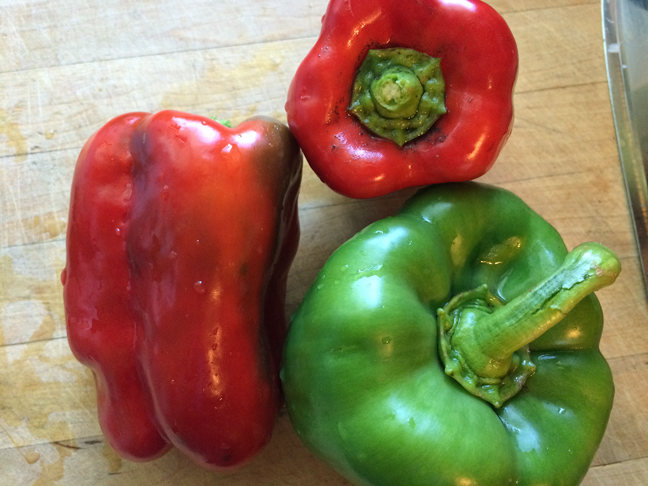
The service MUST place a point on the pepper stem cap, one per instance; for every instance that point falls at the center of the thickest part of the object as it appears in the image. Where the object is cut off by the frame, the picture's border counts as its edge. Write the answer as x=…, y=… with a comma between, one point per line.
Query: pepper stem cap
x=398, y=93
x=483, y=342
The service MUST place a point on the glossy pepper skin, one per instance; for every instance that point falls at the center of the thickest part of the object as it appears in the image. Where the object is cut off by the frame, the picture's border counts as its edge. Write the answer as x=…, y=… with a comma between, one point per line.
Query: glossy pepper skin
x=181, y=234
x=479, y=61
x=362, y=375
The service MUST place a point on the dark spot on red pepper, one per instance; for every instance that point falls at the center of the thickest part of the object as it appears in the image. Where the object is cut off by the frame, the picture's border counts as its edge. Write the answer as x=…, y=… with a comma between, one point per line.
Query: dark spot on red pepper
x=436, y=136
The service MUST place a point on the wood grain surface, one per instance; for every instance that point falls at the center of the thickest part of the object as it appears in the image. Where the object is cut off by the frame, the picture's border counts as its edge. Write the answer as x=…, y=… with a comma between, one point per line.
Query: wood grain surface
x=66, y=68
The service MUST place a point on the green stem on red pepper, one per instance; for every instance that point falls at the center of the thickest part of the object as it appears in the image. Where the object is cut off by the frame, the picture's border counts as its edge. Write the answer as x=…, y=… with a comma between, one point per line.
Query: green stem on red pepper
x=398, y=93
x=483, y=341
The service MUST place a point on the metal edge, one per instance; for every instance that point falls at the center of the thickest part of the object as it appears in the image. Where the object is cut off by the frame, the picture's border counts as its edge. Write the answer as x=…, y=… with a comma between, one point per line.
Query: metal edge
x=629, y=153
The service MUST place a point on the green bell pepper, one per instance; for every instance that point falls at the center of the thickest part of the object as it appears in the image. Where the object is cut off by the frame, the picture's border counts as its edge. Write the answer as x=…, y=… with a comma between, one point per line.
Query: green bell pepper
x=442, y=291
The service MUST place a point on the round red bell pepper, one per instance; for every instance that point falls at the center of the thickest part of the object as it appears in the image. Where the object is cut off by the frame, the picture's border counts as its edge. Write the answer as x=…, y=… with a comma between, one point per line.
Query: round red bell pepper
x=478, y=67
x=180, y=237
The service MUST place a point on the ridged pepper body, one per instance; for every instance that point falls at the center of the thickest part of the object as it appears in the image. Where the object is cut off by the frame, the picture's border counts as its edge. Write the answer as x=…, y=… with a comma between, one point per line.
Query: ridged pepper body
x=181, y=234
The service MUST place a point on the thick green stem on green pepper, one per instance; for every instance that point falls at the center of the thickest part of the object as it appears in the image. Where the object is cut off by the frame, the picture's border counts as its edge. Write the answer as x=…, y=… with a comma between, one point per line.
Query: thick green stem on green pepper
x=398, y=93
x=483, y=341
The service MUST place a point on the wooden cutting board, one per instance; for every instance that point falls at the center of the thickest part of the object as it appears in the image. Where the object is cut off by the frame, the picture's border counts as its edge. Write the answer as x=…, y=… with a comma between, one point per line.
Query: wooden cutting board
x=68, y=67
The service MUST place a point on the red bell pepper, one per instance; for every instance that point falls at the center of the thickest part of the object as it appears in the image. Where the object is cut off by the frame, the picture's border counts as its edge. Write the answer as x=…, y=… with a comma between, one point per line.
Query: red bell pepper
x=478, y=67
x=181, y=233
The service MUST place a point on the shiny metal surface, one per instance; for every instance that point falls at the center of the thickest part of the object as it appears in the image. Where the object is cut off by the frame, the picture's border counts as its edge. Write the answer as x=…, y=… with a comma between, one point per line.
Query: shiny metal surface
x=625, y=31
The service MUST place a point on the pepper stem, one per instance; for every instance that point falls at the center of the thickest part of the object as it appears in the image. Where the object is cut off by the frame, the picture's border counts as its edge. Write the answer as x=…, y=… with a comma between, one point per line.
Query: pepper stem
x=483, y=341
x=398, y=93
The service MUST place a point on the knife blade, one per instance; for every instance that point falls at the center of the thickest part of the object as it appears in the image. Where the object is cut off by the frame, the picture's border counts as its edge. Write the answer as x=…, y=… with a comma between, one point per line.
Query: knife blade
x=625, y=34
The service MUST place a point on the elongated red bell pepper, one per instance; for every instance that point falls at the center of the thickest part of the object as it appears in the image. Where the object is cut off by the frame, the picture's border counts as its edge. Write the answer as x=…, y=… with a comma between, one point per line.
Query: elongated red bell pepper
x=181, y=233
x=403, y=93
